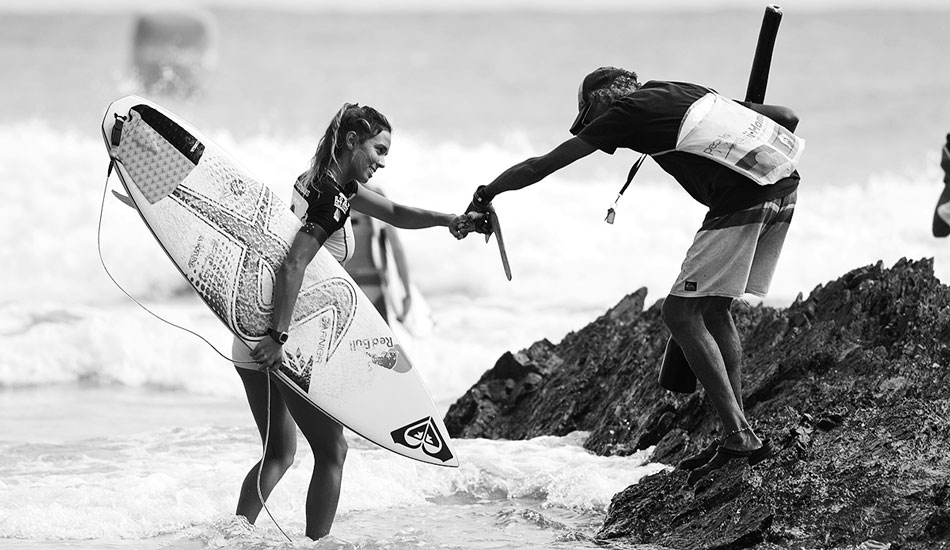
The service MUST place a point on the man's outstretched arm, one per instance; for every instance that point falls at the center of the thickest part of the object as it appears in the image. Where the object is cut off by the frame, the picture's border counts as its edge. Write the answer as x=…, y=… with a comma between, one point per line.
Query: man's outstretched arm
x=531, y=171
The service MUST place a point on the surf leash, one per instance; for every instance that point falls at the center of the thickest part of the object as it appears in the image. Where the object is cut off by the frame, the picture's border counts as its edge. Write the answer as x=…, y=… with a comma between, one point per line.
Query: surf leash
x=127, y=201
x=260, y=467
x=612, y=211
x=102, y=261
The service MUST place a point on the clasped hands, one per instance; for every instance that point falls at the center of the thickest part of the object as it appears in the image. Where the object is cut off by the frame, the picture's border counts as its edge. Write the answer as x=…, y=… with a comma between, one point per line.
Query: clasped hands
x=477, y=217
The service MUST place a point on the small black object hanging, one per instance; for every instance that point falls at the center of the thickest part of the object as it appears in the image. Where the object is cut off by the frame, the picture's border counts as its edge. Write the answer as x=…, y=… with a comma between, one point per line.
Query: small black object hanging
x=612, y=211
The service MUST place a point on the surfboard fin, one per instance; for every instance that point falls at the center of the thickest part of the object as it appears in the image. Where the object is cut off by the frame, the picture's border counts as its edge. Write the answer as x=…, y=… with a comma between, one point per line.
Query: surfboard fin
x=124, y=199
x=496, y=231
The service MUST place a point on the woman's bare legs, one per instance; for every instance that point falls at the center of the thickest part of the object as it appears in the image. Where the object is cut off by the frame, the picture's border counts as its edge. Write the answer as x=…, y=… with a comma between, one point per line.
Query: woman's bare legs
x=281, y=445
x=329, y=447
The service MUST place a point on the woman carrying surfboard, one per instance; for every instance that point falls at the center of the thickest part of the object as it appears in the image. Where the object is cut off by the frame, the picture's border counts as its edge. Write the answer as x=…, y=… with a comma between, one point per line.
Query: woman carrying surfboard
x=352, y=149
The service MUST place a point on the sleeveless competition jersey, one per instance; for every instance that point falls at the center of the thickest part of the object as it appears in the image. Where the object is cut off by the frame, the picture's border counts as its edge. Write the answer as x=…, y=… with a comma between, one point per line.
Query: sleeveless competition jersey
x=326, y=205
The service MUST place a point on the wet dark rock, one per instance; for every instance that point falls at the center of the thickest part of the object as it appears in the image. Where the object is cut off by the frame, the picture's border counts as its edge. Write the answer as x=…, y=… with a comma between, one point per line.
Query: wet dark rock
x=852, y=382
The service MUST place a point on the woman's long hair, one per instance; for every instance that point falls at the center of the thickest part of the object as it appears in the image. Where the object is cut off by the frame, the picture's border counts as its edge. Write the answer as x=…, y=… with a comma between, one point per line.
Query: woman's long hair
x=366, y=121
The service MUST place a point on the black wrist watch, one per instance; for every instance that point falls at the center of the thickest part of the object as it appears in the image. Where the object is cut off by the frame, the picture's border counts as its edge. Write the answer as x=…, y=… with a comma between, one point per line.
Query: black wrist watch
x=279, y=337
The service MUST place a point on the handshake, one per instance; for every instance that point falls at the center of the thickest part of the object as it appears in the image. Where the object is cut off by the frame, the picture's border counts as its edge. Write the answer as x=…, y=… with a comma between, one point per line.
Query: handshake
x=480, y=217
x=477, y=217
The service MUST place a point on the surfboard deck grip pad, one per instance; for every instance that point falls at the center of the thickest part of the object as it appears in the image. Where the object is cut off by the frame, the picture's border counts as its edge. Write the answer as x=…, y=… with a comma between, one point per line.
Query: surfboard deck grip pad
x=156, y=166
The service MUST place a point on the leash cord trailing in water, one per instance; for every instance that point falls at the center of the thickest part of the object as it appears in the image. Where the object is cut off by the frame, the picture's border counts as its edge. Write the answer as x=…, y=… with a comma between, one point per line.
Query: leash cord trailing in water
x=102, y=261
x=102, y=207
x=260, y=466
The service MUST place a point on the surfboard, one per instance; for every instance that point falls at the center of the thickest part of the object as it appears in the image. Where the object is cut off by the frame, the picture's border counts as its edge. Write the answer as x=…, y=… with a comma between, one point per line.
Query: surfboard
x=227, y=233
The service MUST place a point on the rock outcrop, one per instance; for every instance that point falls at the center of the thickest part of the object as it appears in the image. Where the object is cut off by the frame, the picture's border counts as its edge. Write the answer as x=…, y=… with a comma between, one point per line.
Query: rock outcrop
x=852, y=382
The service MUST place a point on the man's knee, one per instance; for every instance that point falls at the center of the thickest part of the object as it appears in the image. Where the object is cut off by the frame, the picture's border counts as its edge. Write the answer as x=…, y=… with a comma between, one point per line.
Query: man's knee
x=681, y=313
x=677, y=311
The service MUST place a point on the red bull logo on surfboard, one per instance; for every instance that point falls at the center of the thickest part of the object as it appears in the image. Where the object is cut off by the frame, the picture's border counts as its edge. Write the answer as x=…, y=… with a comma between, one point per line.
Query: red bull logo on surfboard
x=384, y=352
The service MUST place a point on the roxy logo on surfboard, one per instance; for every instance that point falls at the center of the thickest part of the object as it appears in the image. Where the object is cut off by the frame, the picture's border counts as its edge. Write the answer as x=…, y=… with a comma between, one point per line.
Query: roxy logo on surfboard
x=423, y=434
